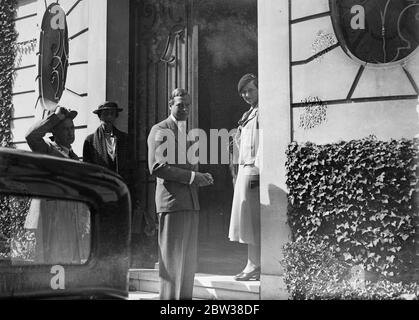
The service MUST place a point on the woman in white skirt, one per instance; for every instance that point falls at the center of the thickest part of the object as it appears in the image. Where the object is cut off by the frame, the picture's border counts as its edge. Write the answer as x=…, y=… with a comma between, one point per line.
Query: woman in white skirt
x=245, y=214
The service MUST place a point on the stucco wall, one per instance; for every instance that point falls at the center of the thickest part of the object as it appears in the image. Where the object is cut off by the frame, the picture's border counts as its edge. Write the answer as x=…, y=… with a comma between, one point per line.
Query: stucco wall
x=289, y=74
x=25, y=89
x=98, y=63
x=332, y=76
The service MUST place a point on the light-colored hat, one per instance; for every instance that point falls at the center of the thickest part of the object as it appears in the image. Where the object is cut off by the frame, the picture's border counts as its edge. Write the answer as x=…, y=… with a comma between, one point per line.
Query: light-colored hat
x=70, y=114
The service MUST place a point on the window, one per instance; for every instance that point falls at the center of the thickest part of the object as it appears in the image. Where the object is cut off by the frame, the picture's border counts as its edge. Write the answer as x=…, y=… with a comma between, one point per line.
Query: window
x=43, y=231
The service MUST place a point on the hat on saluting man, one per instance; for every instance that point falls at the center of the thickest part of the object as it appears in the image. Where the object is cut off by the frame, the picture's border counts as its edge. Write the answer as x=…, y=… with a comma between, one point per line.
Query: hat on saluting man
x=68, y=113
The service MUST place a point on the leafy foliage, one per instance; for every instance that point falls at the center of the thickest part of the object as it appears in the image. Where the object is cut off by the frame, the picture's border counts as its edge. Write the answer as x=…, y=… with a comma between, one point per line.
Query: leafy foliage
x=314, y=270
x=360, y=197
x=8, y=38
x=15, y=241
x=306, y=261
x=12, y=210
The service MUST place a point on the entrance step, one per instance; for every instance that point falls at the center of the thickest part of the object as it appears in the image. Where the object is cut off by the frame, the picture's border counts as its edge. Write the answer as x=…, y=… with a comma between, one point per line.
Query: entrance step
x=140, y=295
x=206, y=286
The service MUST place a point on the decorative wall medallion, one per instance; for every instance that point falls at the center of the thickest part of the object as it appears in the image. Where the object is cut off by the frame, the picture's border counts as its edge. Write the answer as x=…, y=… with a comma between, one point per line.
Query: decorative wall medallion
x=53, y=56
x=377, y=31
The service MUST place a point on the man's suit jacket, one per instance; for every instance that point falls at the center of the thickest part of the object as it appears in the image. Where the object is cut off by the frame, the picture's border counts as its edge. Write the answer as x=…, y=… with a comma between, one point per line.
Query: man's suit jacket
x=173, y=191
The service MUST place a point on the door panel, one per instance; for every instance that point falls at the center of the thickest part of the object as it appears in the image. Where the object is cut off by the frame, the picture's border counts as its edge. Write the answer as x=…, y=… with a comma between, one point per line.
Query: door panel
x=161, y=56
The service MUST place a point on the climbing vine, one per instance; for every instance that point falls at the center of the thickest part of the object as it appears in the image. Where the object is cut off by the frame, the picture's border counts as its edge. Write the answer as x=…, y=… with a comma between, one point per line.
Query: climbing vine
x=360, y=197
x=11, y=210
x=24, y=48
x=8, y=36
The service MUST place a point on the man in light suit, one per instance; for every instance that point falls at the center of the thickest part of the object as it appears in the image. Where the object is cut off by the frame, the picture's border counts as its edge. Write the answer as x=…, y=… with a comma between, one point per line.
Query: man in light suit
x=177, y=201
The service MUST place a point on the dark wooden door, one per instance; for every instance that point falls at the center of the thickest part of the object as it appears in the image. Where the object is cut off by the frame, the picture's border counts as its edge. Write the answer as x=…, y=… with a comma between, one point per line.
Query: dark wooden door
x=162, y=59
x=164, y=55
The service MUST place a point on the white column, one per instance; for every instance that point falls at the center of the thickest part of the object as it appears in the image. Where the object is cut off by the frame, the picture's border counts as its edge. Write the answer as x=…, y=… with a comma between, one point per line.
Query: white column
x=108, y=58
x=417, y=110
x=97, y=59
x=275, y=121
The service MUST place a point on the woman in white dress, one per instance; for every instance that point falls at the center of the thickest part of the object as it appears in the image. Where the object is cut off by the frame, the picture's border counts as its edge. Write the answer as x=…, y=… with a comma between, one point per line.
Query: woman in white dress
x=245, y=215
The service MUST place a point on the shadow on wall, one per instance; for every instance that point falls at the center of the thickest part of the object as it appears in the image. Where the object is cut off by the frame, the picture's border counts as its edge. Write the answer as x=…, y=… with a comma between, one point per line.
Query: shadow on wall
x=275, y=231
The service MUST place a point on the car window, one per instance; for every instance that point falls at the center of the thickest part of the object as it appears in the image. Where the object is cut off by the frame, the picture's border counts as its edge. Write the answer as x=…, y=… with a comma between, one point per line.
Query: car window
x=43, y=231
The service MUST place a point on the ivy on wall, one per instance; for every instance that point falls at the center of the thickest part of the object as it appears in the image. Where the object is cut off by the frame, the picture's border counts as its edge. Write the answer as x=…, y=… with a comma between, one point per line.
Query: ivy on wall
x=24, y=48
x=8, y=36
x=359, y=197
x=313, y=270
x=9, y=216
x=15, y=241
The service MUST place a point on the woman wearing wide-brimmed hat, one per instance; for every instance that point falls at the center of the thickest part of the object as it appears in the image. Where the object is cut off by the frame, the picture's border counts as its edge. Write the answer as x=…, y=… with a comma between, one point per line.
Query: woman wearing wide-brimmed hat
x=108, y=146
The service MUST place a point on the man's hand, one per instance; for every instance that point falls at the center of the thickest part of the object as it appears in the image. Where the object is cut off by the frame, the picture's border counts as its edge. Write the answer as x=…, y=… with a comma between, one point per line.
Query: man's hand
x=203, y=179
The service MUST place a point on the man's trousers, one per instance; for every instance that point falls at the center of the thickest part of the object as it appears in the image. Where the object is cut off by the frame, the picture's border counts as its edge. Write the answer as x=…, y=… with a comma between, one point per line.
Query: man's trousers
x=178, y=241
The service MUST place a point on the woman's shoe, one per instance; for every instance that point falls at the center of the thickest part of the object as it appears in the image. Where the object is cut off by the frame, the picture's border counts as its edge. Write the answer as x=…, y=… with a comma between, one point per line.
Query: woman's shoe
x=246, y=276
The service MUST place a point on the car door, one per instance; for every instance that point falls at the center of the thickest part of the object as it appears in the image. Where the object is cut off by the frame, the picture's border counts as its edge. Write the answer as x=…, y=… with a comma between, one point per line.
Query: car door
x=64, y=228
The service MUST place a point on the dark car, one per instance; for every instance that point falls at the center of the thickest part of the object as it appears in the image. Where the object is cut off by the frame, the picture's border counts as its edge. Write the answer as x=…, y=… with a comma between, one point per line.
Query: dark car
x=64, y=229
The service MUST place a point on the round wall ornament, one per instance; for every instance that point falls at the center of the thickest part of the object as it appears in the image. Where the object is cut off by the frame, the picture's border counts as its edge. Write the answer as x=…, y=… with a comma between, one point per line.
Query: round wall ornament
x=377, y=31
x=53, y=56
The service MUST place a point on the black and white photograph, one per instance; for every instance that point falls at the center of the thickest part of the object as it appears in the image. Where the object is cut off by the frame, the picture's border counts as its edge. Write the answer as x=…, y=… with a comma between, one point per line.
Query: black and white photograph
x=235, y=151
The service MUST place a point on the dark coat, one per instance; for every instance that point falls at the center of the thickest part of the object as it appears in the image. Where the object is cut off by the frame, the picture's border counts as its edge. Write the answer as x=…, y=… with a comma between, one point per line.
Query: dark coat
x=121, y=165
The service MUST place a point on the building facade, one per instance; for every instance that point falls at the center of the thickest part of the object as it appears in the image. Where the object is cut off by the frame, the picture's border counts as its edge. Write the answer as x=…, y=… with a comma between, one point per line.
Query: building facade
x=136, y=52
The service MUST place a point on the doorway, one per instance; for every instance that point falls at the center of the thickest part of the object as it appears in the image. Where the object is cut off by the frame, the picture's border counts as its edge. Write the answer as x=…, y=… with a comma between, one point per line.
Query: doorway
x=227, y=50
x=205, y=47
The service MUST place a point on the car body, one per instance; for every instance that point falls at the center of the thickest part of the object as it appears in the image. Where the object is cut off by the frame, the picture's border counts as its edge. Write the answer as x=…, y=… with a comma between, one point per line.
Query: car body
x=105, y=273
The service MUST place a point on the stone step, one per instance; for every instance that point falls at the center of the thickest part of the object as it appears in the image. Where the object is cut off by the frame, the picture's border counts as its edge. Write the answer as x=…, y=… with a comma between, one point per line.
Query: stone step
x=206, y=286
x=141, y=295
